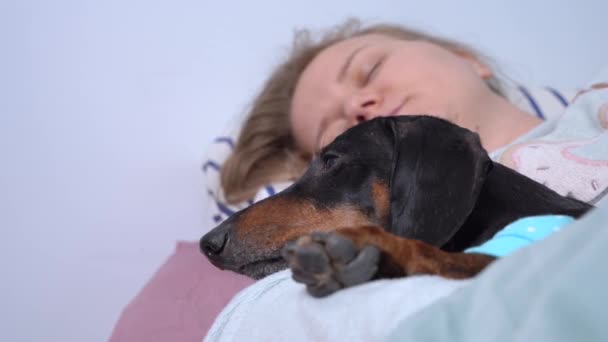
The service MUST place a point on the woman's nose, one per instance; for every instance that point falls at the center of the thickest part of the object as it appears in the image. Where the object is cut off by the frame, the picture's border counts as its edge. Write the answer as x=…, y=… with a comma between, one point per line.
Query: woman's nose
x=362, y=107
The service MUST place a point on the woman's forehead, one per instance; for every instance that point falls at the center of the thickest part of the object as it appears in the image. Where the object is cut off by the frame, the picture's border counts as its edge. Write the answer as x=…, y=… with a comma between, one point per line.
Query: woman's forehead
x=319, y=77
x=328, y=62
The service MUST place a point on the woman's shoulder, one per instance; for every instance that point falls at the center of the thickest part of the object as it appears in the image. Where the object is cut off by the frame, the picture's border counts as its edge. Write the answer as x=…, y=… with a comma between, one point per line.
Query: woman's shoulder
x=568, y=153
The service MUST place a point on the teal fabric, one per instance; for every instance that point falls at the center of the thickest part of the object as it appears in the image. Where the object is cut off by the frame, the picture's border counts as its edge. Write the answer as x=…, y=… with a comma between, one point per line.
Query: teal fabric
x=521, y=233
x=555, y=290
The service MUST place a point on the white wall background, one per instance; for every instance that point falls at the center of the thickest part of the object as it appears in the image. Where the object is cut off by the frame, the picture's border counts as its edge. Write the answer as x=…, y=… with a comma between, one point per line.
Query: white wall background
x=106, y=108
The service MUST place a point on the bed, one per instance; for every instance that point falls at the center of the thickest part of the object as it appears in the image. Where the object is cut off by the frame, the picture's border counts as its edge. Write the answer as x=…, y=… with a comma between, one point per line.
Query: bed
x=276, y=308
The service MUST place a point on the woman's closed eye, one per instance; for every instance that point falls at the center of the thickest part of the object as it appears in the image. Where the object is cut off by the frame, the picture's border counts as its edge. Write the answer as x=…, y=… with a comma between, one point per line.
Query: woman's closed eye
x=373, y=71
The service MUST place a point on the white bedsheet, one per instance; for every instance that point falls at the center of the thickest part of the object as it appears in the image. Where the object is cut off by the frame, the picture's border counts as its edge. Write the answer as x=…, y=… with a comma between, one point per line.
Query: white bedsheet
x=277, y=308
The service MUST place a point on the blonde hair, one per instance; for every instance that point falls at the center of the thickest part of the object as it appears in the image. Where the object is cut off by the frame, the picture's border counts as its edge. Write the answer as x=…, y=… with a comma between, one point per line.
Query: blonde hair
x=265, y=151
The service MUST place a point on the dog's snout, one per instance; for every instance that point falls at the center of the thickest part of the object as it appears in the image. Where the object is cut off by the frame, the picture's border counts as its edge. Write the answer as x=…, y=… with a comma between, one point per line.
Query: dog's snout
x=213, y=243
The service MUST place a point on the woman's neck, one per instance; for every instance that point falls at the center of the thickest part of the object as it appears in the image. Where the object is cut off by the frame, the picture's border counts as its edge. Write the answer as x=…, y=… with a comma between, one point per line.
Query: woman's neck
x=502, y=123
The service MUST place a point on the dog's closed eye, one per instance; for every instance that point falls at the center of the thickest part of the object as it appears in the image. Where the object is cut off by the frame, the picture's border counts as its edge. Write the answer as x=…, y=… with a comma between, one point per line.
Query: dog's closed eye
x=329, y=160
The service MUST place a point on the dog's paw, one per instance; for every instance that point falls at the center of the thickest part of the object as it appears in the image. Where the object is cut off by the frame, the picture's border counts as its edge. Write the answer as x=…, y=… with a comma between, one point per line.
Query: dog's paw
x=327, y=262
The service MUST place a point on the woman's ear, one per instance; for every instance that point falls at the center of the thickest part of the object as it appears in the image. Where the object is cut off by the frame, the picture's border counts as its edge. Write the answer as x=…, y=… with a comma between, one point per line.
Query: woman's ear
x=480, y=67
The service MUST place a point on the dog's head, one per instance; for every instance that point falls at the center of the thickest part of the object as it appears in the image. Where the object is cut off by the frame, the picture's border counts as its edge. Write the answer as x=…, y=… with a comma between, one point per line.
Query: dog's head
x=416, y=176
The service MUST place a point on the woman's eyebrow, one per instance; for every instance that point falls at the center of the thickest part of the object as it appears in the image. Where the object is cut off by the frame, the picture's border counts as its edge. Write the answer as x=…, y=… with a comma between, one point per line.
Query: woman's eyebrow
x=349, y=60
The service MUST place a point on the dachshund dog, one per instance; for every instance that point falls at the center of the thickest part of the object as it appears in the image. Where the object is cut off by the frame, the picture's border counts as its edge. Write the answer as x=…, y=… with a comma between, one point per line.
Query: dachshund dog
x=390, y=197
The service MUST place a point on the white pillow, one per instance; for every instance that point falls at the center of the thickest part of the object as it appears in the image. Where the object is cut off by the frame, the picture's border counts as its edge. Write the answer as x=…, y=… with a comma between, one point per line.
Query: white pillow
x=545, y=103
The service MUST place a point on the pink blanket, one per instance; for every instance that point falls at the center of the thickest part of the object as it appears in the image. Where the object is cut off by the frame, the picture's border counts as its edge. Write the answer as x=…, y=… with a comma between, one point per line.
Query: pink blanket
x=181, y=301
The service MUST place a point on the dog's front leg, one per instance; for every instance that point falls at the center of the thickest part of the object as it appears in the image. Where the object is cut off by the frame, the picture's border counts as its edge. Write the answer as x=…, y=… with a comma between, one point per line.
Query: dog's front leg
x=329, y=261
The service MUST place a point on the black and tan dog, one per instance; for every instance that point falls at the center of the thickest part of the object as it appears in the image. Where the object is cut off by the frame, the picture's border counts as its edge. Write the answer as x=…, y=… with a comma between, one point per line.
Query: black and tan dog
x=390, y=197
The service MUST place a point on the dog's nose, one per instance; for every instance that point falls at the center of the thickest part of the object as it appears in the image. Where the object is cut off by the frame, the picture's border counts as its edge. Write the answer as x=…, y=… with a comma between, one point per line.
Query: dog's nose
x=213, y=242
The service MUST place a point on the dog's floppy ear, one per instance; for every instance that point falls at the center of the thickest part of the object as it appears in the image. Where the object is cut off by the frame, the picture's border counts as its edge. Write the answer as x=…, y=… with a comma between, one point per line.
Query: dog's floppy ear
x=438, y=172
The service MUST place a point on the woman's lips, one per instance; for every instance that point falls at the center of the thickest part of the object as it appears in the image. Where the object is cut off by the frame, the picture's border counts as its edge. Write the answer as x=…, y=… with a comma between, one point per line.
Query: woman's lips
x=396, y=110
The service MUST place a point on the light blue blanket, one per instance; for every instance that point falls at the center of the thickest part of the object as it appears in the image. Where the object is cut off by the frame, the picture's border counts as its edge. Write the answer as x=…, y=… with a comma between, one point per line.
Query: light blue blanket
x=556, y=291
